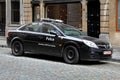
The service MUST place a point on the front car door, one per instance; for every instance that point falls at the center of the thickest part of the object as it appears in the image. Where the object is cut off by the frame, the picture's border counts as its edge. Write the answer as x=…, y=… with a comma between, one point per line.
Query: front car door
x=49, y=43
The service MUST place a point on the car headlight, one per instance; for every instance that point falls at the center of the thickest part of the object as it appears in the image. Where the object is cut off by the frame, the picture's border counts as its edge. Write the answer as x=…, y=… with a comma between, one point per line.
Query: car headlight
x=90, y=44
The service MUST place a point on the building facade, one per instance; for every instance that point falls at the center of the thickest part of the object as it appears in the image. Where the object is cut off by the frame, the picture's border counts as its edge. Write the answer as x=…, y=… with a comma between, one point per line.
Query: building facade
x=91, y=16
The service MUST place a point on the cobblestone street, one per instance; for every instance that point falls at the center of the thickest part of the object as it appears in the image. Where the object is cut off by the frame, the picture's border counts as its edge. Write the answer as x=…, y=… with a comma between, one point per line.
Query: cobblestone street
x=38, y=67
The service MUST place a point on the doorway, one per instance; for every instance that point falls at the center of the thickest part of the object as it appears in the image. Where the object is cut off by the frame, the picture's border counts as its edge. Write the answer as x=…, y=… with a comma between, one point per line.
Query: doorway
x=93, y=16
x=2, y=18
x=70, y=13
x=57, y=11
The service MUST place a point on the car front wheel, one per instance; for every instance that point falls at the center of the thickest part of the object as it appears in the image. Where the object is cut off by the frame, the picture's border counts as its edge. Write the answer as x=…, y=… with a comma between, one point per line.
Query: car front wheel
x=71, y=55
x=17, y=48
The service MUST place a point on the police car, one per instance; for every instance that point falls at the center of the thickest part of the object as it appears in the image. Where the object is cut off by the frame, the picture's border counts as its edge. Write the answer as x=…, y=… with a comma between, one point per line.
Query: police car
x=52, y=37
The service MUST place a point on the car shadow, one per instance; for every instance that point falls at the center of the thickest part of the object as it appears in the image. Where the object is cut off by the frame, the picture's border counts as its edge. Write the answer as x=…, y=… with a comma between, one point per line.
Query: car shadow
x=92, y=63
x=45, y=57
x=60, y=60
x=115, y=60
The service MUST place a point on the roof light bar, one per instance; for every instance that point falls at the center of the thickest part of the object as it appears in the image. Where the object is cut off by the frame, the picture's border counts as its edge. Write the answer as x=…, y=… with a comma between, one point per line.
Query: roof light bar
x=52, y=20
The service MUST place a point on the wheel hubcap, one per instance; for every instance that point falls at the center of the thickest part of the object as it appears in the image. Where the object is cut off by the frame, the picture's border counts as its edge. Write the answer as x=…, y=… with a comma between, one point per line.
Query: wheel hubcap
x=70, y=54
x=17, y=48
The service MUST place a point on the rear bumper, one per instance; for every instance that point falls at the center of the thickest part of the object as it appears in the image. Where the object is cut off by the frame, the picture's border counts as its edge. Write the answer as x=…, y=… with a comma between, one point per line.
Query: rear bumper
x=93, y=54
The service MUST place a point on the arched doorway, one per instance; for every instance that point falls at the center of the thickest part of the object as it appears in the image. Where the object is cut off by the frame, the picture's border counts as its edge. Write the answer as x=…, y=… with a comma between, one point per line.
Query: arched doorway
x=93, y=16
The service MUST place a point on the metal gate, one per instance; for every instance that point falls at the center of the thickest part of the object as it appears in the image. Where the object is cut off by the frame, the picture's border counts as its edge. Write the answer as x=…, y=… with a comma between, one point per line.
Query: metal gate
x=93, y=15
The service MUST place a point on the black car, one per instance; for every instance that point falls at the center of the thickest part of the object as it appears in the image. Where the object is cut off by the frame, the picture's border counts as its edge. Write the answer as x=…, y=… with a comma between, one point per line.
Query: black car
x=57, y=39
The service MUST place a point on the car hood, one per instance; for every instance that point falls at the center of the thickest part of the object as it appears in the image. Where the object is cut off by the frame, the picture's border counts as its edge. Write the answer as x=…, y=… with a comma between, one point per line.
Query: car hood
x=95, y=40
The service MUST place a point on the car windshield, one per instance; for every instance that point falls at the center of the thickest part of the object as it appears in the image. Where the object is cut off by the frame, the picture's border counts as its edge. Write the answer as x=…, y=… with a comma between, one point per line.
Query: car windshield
x=69, y=30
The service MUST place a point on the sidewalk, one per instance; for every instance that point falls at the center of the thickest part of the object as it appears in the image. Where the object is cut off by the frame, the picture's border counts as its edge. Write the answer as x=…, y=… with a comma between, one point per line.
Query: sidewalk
x=115, y=56
x=3, y=41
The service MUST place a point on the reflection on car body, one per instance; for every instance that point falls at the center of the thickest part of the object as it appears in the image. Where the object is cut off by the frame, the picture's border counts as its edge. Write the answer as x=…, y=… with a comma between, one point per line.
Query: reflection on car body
x=57, y=39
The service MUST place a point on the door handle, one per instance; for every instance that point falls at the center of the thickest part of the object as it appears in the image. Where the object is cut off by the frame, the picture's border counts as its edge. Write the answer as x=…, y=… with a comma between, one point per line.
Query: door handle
x=22, y=34
x=40, y=37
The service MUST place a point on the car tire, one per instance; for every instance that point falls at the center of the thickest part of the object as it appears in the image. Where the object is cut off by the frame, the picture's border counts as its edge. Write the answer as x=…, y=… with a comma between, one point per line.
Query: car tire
x=17, y=48
x=71, y=55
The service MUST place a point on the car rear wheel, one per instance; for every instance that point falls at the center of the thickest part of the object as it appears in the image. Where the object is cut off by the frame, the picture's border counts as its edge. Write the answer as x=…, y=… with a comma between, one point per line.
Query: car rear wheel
x=71, y=55
x=17, y=48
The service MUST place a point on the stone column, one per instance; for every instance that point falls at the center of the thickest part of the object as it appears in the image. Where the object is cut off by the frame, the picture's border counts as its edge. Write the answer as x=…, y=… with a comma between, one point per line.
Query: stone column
x=21, y=12
x=41, y=9
x=27, y=11
x=8, y=15
x=84, y=15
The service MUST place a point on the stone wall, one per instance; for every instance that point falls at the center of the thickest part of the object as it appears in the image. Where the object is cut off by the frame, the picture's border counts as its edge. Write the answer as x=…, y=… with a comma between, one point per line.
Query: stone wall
x=114, y=35
x=105, y=8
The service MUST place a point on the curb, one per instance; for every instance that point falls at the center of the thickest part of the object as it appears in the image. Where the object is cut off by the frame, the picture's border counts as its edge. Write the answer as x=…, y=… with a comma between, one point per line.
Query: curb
x=115, y=60
x=3, y=46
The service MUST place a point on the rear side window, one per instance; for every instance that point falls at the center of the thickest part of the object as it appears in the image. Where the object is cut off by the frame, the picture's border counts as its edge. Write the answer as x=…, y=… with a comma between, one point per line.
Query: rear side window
x=34, y=27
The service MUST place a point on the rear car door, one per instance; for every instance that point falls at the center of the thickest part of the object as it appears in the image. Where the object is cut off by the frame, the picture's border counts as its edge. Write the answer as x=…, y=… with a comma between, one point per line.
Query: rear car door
x=30, y=34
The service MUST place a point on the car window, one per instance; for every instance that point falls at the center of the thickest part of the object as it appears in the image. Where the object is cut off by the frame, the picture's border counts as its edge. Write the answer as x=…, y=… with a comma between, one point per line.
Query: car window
x=46, y=28
x=35, y=27
x=69, y=30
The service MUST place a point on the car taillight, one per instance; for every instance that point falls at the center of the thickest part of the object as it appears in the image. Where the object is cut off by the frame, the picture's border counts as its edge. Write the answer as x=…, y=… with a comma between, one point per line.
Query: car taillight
x=9, y=33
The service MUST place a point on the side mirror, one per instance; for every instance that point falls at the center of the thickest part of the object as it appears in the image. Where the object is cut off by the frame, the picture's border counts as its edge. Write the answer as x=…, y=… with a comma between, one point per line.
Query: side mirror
x=54, y=33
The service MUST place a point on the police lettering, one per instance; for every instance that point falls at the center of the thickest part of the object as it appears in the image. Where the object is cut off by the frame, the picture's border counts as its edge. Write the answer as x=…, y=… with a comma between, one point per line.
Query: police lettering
x=49, y=39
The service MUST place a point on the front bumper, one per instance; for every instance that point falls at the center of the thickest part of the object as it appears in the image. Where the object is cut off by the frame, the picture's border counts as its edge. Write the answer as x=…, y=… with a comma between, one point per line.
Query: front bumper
x=92, y=54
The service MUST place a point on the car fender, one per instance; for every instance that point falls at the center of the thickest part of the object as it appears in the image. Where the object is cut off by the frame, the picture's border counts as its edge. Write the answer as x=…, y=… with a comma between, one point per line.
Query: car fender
x=15, y=38
x=70, y=43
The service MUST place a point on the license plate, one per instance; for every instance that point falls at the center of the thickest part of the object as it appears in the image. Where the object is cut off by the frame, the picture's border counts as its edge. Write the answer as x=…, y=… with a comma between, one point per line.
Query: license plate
x=107, y=53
